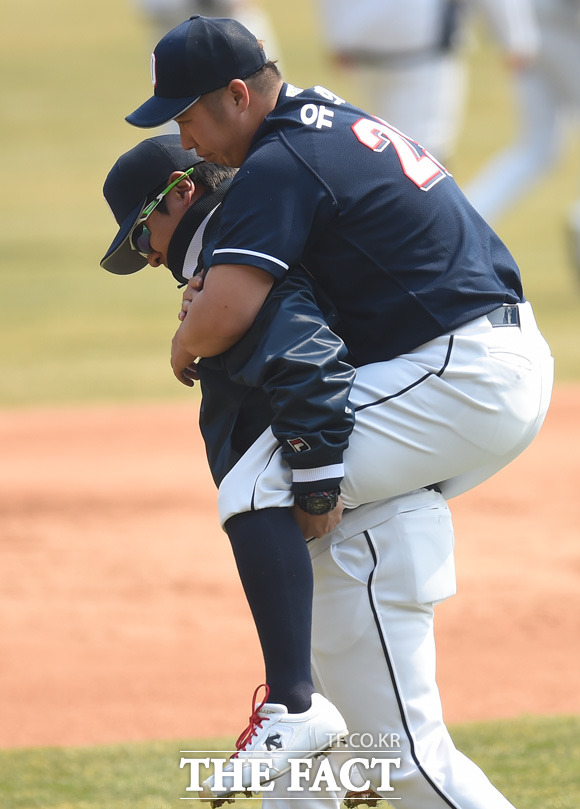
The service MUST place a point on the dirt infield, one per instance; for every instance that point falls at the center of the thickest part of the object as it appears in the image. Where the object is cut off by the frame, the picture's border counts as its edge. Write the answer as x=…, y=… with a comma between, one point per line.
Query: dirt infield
x=121, y=617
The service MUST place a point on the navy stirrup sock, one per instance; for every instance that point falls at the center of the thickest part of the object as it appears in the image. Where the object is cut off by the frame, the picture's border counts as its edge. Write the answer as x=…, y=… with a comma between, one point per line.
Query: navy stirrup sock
x=276, y=573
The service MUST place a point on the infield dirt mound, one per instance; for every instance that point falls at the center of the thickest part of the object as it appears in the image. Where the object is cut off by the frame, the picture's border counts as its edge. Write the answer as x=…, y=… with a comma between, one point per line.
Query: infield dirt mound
x=122, y=618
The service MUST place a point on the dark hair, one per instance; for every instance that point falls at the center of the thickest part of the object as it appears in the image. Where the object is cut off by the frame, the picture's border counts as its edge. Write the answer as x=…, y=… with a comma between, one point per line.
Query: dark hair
x=210, y=175
x=266, y=79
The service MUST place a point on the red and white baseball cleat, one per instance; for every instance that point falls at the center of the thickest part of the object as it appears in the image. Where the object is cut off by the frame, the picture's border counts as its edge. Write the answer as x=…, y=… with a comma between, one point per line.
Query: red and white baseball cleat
x=272, y=739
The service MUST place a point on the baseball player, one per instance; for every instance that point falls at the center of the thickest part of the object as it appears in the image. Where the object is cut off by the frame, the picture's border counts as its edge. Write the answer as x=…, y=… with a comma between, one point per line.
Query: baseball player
x=407, y=59
x=408, y=264
x=289, y=369
x=409, y=583
x=548, y=101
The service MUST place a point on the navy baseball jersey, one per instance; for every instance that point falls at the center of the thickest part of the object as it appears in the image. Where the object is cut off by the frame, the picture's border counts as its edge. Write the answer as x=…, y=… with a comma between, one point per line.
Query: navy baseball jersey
x=379, y=223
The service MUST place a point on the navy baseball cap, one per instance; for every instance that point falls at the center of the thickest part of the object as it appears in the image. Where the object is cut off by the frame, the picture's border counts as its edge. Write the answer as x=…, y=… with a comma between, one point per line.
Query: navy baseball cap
x=132, y=180
x=197, y=57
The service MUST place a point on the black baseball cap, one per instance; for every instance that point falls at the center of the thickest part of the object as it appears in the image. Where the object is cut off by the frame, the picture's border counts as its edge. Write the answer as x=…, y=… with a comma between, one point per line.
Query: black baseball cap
x=199, y=56
x=132, y=180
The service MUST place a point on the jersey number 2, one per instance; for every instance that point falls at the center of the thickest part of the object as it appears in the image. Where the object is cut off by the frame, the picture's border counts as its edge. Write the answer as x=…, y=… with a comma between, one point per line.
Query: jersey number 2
x=417, y=164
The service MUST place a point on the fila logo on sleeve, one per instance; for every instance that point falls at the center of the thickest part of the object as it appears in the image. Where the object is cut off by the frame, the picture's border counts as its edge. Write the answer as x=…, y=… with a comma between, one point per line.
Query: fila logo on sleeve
x=299, y=444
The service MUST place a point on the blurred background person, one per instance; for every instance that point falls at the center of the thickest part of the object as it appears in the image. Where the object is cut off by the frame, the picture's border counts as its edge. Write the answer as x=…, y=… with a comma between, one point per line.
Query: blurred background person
x=166, y=14
x=408, y=60
x=547, y=93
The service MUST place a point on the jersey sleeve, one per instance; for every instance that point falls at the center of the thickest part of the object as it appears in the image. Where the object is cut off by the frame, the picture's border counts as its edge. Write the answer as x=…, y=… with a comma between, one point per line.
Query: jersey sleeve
x=292, y=354
x=266, y=224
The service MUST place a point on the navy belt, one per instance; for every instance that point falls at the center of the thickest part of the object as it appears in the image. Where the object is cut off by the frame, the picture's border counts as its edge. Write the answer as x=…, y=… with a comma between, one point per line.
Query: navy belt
x=507, y=315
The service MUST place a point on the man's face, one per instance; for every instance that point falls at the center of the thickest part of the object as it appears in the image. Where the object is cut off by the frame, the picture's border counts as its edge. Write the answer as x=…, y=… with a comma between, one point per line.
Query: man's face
x=213, y=127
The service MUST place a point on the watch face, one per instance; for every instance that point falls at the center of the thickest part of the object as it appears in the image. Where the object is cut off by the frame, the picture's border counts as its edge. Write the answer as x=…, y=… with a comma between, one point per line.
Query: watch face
x=319, y=505
x=318, y=502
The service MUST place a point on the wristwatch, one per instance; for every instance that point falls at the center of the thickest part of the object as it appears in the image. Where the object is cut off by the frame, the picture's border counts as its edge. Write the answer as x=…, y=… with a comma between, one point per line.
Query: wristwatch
x=317, y=503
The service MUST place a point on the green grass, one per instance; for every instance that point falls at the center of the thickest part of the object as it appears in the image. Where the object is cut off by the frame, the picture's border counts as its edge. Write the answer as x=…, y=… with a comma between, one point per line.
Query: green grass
x=70, y=332
x=534, y=761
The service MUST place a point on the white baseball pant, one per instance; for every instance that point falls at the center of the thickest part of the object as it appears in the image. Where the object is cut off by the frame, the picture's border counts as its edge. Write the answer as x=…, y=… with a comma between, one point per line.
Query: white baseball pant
x=453, y=413
x=376, y=580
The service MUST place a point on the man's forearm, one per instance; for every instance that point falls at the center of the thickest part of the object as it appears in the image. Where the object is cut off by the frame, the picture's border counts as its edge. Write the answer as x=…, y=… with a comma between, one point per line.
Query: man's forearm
x=203, y=334
x=221, y=313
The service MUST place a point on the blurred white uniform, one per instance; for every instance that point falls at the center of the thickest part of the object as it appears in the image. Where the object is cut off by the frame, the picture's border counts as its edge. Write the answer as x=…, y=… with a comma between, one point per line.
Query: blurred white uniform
x=548, y=99
x=166, y=14
x=407, y=60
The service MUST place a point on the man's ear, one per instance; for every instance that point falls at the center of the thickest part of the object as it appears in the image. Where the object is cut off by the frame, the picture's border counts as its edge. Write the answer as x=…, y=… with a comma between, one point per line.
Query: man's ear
x=185, y=187
x=237, y=93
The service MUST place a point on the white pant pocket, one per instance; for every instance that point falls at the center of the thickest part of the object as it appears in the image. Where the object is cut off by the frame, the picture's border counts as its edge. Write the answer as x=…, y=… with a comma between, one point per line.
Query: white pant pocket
x=415, y=560
x=410, y=551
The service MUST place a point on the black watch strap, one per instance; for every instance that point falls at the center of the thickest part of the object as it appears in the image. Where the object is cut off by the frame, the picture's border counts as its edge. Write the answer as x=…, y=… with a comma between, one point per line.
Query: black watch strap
x=317, y=503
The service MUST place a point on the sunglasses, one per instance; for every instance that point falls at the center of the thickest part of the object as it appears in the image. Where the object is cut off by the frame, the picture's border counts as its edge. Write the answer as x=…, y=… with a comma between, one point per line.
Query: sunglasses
x=140, y=236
